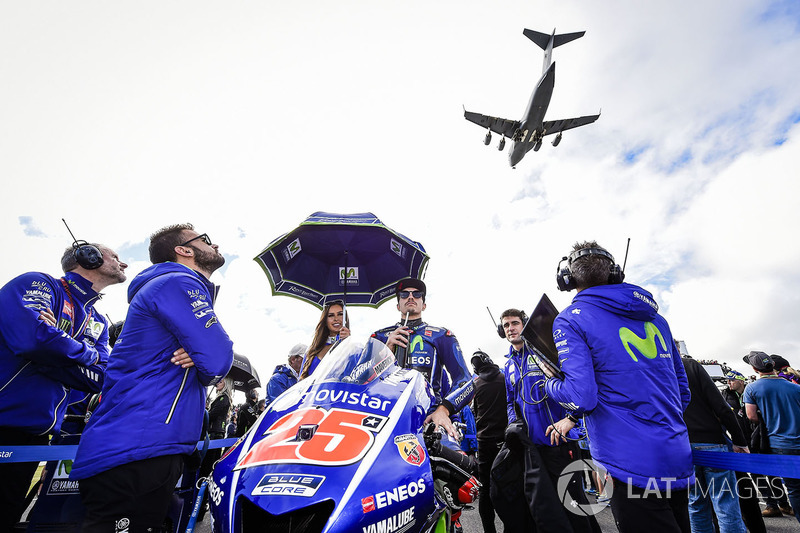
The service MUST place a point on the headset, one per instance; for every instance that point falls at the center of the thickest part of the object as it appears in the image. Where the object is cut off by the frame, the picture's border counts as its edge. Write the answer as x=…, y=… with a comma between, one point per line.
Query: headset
x=483, y=357
x=502, y=332
x=87, y=255
x=564, y=278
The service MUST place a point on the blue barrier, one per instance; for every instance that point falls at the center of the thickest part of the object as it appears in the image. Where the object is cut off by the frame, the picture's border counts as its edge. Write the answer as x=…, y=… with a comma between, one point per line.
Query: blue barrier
x=29, y=454
x=756, y=463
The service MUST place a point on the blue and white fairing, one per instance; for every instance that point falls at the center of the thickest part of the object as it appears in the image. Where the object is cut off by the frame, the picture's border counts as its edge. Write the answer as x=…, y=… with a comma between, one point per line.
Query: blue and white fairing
x=340, y=451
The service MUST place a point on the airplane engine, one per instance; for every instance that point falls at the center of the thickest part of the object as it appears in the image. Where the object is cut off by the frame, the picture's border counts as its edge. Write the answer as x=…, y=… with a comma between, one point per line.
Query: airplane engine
x=488, y=138
x=557, y=140
x=502, y=144
x=537, y=146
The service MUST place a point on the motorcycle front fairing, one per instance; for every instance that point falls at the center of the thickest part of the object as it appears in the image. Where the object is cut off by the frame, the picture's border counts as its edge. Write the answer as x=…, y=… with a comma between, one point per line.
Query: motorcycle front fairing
x=339, y=451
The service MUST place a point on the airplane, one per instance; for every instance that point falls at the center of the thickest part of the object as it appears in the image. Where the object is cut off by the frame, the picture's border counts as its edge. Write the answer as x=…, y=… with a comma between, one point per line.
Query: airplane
x=527, y=133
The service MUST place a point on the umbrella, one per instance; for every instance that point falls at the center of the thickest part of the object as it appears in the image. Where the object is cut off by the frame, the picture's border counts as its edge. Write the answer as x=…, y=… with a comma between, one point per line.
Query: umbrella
x=243, y=374
x=354, y=258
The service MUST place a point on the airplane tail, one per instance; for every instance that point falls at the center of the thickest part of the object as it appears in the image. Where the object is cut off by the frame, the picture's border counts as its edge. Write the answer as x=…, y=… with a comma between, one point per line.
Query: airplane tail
x=543, y=39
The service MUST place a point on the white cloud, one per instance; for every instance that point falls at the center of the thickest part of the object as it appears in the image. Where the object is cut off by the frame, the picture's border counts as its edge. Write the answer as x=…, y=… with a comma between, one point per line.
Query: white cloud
x=245, y=119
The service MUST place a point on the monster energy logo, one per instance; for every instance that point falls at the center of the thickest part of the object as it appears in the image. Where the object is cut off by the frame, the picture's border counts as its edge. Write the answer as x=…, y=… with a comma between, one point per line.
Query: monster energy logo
x=645, y=346
x=416, y=342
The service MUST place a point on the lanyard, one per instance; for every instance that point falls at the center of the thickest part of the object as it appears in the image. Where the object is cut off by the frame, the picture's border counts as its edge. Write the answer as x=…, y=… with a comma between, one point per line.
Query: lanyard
x=72, y=322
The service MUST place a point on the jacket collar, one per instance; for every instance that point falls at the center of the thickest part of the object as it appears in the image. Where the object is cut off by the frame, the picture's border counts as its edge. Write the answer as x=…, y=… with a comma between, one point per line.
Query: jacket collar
x=80, y=288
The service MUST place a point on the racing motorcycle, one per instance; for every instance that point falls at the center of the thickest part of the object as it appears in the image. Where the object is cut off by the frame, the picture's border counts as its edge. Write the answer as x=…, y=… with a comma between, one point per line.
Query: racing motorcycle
x=344, y=451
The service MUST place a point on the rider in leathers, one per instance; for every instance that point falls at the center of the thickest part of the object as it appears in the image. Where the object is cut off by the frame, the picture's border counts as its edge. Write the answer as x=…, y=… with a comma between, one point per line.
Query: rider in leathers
x=429, y=350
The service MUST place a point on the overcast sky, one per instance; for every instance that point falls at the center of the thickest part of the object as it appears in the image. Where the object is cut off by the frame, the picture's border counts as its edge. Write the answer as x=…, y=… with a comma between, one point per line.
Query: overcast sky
x=246, y=117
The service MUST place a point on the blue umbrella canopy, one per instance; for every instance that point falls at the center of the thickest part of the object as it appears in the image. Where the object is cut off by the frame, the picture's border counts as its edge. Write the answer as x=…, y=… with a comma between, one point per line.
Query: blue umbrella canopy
x=354, y=258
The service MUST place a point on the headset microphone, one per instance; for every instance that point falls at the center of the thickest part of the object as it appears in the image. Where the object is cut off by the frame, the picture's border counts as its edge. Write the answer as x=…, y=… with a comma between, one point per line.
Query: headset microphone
x=87, y=255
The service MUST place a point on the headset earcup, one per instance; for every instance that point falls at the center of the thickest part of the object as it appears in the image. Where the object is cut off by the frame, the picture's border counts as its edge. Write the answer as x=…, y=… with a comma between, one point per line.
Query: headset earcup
x=616, y=275
x=501, y=331
x=88, y=256
x=564, y=279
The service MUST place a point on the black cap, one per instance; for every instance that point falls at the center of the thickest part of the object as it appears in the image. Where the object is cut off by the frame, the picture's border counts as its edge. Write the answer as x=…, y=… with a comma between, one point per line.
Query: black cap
x=412, y=282
x=760, y=361
x=779, y=361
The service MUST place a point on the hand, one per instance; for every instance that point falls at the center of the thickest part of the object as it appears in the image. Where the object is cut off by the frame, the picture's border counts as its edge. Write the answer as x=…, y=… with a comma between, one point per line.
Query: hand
x=741, y=449
x=344, y=333
x=441, y=417
x=48, y=317
x=181, y=358
x=398, y=337
x=559, y=430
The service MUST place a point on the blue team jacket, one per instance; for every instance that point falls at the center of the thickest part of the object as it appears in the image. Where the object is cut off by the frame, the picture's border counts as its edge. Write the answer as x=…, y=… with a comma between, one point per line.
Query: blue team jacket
x=525, y=395
x=623, y=371
x=39, y=363
x=149, y=406
x=283, y=378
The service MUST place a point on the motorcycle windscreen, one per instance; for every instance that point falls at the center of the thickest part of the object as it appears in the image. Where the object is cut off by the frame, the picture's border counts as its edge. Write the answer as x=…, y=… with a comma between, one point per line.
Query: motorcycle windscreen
x=349, y=435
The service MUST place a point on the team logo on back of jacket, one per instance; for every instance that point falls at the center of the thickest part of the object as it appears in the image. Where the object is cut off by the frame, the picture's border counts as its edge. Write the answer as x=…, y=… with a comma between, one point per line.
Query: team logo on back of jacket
x=646, y=345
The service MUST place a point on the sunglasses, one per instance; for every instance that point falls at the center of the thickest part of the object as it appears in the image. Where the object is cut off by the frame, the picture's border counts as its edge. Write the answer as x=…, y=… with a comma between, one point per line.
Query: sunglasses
x=204, y=237
x=405, y=294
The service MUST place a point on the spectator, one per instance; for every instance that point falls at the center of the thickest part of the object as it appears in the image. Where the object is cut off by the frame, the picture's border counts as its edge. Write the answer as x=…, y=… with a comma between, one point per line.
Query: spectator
x=705, y=417
x=247, y=413
x=285, y=375
x=218, y=411
x=332, y=326
x=51, y=340
x=230, y=428
x=784, y=370
x=748, y=484
x=779, y=403
x=151, y=413
x=491, y=419
x=621, y=370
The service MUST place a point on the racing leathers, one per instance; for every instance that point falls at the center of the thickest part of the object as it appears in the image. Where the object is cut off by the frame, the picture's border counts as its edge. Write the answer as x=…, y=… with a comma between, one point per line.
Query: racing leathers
x=40, y=363
x=431, y=349
x=150, y=407
x=623, y=371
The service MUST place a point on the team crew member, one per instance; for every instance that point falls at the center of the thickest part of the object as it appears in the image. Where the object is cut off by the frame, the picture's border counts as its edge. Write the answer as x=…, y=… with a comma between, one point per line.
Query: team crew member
x=622, y=370
x=51, y=340
x=545, y=433
x=150, y=417
x=429, y=349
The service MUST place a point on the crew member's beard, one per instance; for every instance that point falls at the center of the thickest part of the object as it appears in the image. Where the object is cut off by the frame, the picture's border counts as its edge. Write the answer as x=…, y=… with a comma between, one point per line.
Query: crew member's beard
x=208, y=261
x=116, y=276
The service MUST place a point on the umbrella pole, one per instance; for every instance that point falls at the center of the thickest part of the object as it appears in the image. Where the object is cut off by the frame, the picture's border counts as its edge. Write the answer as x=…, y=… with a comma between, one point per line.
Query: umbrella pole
x=344, y=298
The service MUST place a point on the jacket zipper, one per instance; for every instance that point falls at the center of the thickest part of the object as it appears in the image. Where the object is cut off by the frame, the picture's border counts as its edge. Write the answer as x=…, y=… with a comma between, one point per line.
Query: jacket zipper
x=178, y=397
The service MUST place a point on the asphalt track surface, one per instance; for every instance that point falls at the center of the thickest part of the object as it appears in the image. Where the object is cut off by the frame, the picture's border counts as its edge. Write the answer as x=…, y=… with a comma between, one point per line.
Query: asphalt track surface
x=471, y=523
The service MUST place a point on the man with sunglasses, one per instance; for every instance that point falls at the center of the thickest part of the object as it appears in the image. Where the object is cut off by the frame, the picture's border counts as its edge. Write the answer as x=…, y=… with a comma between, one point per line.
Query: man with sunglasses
x=429, y=350
x=150, y=417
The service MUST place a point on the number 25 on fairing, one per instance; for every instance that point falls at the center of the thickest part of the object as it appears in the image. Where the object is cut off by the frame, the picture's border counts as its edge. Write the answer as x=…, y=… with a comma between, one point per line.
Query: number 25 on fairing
x=342, y=437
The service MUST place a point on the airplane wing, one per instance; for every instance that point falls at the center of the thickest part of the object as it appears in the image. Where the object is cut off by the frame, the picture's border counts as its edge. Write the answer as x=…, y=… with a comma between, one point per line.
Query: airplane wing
x=500, y=126
x=556, y=126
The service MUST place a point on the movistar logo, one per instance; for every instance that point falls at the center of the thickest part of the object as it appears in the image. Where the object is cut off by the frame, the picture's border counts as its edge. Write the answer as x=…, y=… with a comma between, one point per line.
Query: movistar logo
x=416, y=342
x=645, y=346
